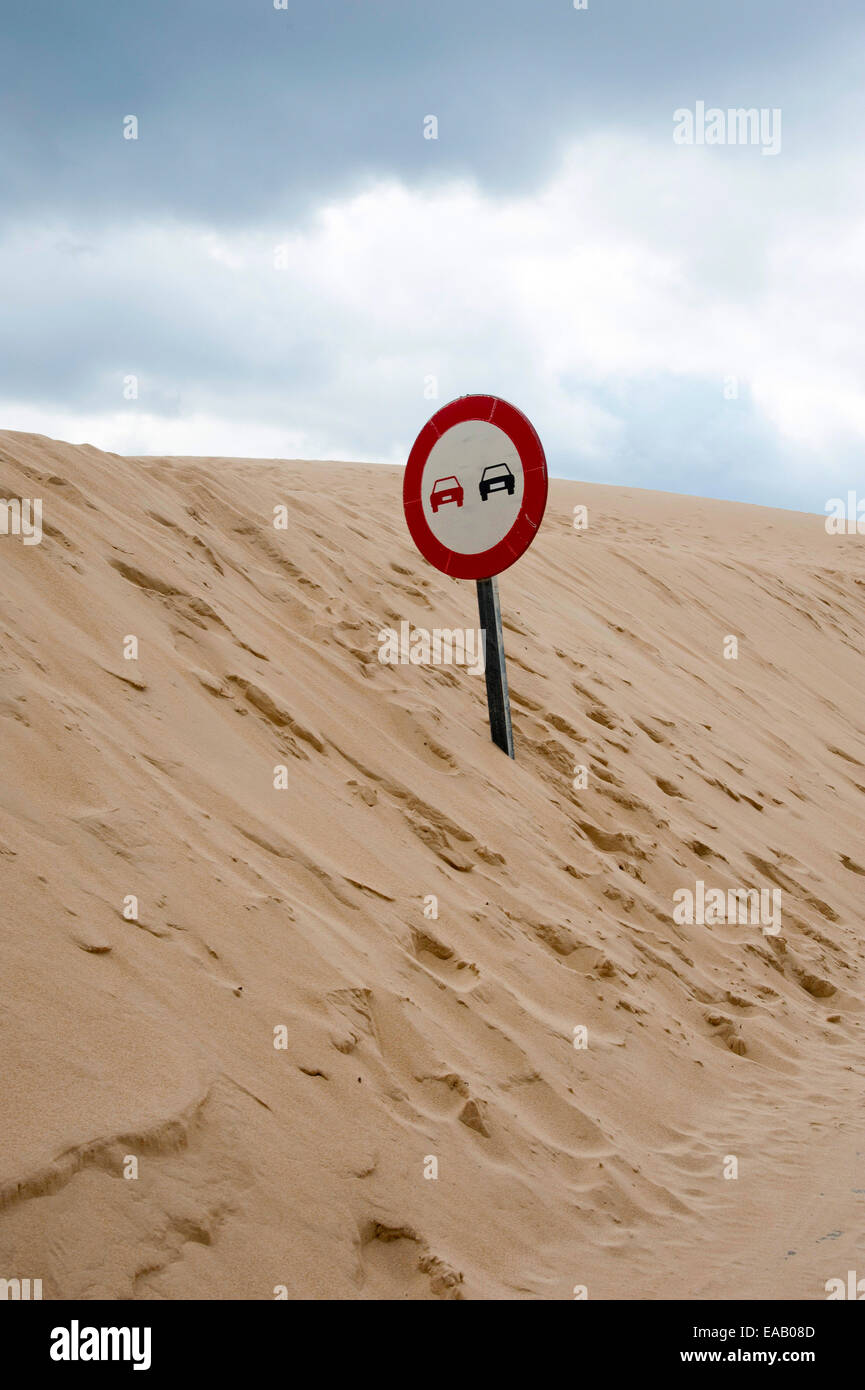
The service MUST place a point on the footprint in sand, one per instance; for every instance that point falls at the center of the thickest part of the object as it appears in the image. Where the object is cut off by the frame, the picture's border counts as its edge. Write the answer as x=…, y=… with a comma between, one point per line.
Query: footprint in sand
x=440, y=960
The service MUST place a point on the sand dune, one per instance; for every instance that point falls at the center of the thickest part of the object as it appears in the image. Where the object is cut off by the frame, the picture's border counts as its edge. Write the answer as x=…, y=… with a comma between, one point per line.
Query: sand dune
x=408, y=1036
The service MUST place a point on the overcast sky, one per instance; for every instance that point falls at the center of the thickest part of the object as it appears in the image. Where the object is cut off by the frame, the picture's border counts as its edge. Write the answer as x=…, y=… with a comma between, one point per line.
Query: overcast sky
x=289, y=268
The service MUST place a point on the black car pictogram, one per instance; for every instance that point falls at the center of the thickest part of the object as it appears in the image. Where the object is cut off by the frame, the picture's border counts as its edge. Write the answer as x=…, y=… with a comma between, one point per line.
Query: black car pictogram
x=495, y=477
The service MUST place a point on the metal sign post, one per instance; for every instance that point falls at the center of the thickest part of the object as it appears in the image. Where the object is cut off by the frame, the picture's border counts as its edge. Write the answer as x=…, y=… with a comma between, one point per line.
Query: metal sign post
x=494, y=669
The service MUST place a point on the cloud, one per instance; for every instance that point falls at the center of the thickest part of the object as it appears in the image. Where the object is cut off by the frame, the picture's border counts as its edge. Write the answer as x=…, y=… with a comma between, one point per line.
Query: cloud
x=614, y=305
x=245, y=110
x=287, y=267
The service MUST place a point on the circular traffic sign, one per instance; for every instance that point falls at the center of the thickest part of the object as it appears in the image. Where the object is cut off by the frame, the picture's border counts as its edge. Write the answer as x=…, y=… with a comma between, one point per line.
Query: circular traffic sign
x=475, y=487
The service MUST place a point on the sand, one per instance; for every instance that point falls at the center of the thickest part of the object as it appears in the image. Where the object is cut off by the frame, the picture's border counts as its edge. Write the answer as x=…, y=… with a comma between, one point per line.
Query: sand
x=298, y=914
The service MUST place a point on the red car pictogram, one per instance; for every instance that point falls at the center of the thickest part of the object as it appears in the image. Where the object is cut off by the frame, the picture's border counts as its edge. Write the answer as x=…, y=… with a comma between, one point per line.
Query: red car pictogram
x=446, y=490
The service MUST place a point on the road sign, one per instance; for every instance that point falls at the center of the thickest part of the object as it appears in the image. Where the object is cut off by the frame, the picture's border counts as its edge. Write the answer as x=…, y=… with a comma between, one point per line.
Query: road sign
x=474, y=493
x=475, y=487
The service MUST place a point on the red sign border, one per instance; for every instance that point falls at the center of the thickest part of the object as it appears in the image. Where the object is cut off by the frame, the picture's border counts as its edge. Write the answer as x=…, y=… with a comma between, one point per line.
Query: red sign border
x=524, y=437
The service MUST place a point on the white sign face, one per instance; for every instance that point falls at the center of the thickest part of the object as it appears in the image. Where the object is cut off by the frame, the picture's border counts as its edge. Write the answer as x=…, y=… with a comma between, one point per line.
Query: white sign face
x=472, y=487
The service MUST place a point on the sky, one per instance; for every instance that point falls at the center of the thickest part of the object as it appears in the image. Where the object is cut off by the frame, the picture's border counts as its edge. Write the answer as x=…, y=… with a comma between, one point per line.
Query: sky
x=335, y=216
